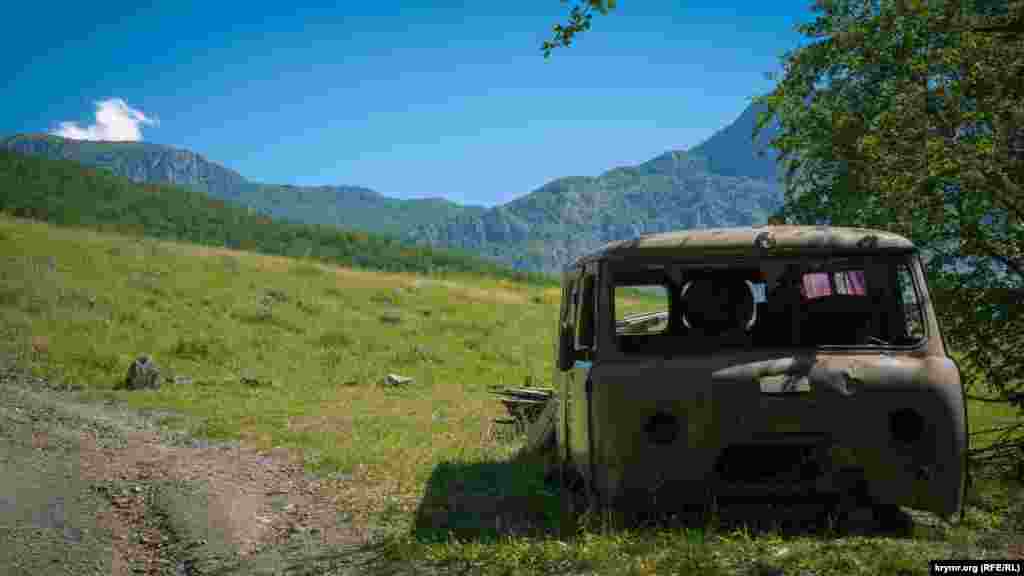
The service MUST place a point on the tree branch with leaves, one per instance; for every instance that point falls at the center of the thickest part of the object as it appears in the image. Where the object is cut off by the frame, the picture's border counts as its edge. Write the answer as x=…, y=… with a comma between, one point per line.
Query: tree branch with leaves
x=579, y=18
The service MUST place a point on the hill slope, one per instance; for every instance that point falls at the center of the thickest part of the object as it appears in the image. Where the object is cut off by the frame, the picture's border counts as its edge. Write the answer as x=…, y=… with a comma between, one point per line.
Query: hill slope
x=65, y=193
x=342, y=206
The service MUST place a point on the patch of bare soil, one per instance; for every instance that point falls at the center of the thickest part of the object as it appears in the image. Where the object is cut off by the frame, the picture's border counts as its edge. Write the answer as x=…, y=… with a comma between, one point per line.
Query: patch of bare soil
x=255, y=500
x=165, y=502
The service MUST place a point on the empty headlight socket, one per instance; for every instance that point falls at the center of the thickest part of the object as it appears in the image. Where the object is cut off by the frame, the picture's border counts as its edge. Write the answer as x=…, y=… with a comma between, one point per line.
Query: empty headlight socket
x=906, y=426
x=662, y=429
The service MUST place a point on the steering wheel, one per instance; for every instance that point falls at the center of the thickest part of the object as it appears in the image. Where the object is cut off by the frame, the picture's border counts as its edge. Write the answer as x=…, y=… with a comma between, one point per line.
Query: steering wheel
x=716, y=306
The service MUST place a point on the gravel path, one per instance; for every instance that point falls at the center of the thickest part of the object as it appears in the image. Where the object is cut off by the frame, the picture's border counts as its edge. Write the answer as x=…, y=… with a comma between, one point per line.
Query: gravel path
x=98, y=489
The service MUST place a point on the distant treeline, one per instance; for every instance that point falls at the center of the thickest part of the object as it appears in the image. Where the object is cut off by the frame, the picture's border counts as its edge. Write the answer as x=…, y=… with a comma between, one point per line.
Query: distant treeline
x=66, y=193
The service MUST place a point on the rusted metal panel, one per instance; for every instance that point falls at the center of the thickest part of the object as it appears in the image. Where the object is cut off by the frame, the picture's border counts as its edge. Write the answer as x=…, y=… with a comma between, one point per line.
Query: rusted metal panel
x=753, y=240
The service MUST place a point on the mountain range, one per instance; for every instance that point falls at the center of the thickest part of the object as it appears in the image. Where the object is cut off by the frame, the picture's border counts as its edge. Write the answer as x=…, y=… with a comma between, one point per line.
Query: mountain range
x=724, y=181
x=350, y=207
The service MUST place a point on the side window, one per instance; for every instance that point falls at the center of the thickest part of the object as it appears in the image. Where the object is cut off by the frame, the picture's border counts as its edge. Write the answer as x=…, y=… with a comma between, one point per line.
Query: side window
x=641, y=309
x=585, y=314
x=911, y=303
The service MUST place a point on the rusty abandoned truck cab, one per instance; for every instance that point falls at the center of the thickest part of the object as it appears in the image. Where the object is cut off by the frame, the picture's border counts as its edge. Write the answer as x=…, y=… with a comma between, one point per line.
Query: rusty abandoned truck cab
x=775, y=359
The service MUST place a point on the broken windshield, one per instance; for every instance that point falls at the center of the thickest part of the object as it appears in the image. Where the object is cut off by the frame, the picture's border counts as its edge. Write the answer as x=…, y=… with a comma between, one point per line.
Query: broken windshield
x=825, y=301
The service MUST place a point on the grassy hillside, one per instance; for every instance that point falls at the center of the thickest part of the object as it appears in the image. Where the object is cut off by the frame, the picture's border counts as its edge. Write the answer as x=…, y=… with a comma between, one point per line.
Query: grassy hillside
x=65, y=193
x=276, y=351
x=283, y=352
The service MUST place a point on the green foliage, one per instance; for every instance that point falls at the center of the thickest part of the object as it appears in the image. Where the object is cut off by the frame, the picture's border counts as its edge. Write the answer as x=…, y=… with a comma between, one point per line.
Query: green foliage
x=580, y=16
x=65, y=193
x=903, y=117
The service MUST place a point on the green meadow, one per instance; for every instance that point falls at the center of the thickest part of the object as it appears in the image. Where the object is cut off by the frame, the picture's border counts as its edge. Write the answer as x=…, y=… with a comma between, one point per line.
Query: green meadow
x=287, y=352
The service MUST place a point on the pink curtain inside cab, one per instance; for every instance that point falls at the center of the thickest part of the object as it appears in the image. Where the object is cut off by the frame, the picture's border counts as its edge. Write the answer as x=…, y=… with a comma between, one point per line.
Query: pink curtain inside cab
x=816, y=284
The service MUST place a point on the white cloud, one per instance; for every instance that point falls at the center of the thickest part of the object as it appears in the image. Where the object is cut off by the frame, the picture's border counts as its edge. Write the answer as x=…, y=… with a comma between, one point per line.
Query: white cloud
x=116, y=121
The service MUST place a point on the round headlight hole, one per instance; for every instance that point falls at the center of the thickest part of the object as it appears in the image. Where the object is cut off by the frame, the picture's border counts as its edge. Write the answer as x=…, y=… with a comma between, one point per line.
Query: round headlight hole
x=906, y=426
x=662, y=429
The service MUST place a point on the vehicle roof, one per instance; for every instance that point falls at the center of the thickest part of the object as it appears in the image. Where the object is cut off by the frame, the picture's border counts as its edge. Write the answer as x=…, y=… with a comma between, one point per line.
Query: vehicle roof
x=762, y=241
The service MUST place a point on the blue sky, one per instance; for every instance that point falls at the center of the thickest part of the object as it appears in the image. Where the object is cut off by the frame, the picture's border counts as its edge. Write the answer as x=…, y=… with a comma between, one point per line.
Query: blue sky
x=412, y=99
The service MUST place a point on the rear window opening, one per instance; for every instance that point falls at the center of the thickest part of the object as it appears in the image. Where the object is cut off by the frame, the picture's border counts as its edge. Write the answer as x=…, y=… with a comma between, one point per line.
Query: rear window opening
x=848, y=302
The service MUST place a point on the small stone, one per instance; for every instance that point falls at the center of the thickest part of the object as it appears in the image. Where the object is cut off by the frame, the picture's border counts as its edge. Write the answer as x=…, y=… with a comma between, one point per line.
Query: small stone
x=396, y=380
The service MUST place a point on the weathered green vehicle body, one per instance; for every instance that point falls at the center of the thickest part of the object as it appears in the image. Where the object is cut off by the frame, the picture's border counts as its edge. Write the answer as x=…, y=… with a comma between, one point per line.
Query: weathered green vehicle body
x=836, y=389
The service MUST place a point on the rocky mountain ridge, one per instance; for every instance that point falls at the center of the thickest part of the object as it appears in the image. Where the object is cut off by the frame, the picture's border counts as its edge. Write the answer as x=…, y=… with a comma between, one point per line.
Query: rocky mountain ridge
x=551, y=226
x=138, y=161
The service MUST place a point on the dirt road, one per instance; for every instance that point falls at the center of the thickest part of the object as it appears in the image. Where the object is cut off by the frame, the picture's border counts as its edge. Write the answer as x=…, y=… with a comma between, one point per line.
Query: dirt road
x=97, y=489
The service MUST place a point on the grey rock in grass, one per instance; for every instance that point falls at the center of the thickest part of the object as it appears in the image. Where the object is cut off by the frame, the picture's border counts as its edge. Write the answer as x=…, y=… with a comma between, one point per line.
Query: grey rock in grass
x=396, y=380
x=143, y=374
